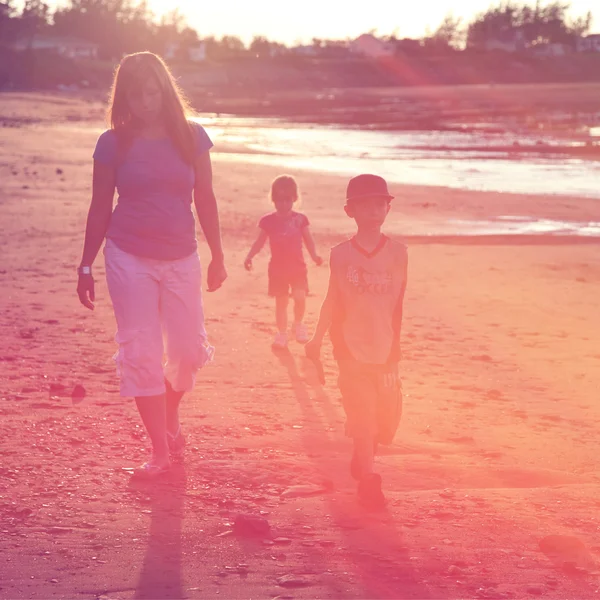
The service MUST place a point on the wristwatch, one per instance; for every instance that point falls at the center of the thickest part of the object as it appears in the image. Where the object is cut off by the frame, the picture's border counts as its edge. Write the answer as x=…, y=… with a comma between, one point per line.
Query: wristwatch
x=84, y=270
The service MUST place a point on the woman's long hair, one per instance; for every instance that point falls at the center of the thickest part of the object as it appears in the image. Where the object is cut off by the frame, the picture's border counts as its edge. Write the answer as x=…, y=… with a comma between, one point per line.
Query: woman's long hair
x=131, y=74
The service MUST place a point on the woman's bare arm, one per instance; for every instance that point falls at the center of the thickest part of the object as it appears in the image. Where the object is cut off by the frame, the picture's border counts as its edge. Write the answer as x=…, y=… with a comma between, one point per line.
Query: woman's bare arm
x=100, y=211
x=98, y=219
x=208, y=215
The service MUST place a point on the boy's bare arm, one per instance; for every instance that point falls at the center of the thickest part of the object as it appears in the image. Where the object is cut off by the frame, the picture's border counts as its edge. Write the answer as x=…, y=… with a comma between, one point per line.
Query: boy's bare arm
x=100, y=212
x=256, y=248
x=401, y=303
x=309, y=242
x=313, y=348
x=399, y=310
x=325, y=317
x=403, y=290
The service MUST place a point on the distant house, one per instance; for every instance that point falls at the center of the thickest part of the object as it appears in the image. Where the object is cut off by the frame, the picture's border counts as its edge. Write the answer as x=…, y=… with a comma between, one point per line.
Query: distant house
x=70, y=47
x=589, y=43
x=510, y=40
x=172, y=50
x=309, y=50
x=335, y=49
x=407, y=45
x=195, y=53
x=552, y=50
x=368, y=45
x=276, y=50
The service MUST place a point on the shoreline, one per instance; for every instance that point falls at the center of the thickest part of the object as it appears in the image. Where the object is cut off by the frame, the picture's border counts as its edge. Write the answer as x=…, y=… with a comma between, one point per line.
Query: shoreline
x=429, y=209
x=557, y=108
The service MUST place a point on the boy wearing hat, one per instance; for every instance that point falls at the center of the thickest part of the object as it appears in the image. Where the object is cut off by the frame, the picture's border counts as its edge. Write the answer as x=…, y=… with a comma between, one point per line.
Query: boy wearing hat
x=363, y=313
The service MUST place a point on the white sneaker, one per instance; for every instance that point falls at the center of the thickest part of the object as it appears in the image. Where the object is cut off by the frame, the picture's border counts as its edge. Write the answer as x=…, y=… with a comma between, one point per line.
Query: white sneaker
x=280, y=341
x=301, y=333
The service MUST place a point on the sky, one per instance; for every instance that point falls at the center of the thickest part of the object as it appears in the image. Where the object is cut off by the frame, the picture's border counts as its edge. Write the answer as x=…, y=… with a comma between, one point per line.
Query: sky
x=300, y=21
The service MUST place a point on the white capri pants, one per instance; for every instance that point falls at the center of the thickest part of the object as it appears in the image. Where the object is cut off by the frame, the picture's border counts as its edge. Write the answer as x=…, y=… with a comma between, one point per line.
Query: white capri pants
x=155, y=300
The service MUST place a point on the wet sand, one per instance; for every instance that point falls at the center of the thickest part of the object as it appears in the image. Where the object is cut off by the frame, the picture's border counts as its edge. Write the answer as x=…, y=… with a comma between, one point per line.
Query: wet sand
x=492, y=481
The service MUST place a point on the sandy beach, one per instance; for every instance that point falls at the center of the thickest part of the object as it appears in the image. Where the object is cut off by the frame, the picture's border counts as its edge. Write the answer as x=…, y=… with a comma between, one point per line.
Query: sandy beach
x=492, y=482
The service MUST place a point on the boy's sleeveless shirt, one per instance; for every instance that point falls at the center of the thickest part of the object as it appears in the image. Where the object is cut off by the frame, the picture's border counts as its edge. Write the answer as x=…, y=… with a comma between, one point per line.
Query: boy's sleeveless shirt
x=368, y=295
x=153, y=217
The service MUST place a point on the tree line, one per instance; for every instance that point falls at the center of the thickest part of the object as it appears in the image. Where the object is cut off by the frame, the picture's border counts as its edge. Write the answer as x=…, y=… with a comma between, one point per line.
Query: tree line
x=509, y=21
x=121, y=26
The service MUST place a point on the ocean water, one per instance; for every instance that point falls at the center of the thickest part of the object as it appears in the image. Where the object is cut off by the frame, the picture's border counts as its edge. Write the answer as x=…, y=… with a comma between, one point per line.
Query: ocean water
x=473, y=161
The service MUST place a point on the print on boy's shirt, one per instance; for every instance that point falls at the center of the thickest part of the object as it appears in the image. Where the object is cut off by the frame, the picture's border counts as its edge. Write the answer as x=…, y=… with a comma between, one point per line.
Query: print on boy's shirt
x=368, y=302
x=368, y=282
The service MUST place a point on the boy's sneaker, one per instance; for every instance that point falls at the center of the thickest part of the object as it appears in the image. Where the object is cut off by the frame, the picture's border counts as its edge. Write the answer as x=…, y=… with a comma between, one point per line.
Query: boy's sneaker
x=280, y=342
x=369, y=492
x=301, y=332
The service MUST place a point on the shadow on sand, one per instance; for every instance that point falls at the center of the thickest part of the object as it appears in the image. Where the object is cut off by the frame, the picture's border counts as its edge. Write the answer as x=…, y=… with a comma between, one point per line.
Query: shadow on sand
x=374, y=548
x=161, y=573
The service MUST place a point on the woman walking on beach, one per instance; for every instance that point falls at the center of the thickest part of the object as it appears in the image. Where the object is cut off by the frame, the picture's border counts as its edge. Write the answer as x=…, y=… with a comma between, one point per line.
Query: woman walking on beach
x=157, y=160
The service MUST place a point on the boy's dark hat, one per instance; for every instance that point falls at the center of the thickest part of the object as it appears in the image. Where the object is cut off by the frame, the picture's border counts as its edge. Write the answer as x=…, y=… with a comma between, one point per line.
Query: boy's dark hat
x=365, y=186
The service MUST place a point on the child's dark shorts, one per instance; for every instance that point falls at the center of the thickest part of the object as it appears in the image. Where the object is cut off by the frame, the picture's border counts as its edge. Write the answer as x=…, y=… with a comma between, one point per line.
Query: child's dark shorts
x=372, y=399
x=286, y=280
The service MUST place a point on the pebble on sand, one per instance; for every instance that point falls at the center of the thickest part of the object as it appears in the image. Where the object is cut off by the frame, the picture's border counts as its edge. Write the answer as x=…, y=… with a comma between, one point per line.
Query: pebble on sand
x=78, y=393
x=251, y=526
x=535, y=590
x=293, y=581
x=305, y=491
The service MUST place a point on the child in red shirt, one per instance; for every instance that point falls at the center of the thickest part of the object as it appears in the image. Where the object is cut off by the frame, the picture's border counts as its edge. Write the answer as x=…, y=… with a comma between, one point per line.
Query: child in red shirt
x=287, y=231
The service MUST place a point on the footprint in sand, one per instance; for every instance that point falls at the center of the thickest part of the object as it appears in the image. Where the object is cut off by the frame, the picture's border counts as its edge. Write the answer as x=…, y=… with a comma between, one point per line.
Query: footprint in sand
x=482, y=358
x=552, y=418
x=465, y=439
x=467, y=404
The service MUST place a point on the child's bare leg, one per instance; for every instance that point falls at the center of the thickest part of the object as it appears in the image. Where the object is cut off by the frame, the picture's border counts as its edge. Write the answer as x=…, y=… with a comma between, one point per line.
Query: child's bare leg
x=281, y=318
x=299, y=305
